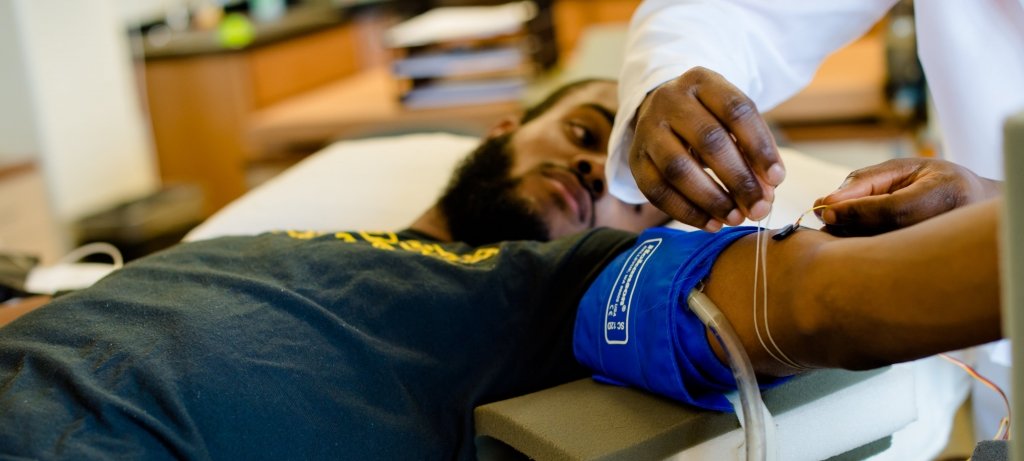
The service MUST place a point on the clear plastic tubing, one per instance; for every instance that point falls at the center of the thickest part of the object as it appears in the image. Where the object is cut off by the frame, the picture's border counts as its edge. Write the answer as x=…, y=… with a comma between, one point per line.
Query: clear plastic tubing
x=742, y=370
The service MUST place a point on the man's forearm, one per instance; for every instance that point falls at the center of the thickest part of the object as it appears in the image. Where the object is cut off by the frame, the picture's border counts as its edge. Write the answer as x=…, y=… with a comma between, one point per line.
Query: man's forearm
x=864, y=302
x=929, y=288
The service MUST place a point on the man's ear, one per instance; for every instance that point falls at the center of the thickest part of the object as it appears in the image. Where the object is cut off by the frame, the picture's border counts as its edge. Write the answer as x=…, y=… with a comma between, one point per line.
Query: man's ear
x=508, y=124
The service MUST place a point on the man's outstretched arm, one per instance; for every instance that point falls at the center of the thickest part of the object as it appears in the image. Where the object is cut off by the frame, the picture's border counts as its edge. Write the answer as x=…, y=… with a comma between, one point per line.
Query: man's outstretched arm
x=858, y=303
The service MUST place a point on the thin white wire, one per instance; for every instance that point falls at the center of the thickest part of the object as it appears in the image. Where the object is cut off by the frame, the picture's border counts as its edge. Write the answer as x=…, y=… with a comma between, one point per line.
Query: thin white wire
x=757, y=267
x=761, y=268
x=764, y=274
x=93, y=248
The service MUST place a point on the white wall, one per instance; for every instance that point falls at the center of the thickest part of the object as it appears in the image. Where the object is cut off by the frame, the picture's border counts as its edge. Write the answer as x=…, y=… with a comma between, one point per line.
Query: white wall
x=17, y=134
x=143, y=11
x=135, y=12
x=93, y=144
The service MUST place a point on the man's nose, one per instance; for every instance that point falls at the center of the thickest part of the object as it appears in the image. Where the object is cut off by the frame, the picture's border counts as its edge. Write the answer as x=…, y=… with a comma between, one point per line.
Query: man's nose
x=591, y=171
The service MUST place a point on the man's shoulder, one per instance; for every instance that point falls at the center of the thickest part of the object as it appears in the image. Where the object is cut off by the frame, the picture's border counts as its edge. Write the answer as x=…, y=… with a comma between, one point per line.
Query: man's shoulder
x=607, y=234
x=594, y=243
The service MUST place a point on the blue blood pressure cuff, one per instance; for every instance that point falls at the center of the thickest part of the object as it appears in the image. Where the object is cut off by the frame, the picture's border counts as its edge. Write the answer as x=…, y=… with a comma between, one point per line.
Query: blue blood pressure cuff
x=634, y=327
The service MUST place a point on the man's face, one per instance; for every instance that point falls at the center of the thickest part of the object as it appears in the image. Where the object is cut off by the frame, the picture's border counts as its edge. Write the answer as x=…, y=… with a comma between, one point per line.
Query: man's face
x=549, y=182
x=559, y=159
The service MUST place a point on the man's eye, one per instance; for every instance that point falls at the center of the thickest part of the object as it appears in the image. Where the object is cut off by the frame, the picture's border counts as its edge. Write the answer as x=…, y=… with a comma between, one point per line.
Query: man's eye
x=583, y=136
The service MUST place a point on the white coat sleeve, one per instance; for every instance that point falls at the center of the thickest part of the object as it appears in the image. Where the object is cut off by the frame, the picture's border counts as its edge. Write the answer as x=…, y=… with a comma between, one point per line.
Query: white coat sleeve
x=767, y=49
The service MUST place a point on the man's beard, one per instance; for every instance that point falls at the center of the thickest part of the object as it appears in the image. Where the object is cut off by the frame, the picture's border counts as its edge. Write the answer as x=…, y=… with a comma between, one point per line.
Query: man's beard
x=481, y=204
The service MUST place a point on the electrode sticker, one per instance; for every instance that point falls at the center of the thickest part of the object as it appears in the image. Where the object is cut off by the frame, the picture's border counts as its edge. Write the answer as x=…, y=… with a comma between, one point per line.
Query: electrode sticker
x=616, y=314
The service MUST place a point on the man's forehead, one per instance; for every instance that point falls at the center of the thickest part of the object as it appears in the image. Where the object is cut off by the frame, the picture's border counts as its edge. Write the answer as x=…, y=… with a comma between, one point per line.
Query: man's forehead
x=600, y=92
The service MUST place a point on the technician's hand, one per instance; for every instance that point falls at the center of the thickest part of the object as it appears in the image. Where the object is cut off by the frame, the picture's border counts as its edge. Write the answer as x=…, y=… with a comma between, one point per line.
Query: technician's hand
x=701, y=120
x=899, y=193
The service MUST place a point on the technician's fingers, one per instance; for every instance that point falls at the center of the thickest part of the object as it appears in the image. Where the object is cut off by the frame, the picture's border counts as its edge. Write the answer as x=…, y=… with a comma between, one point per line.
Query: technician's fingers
x=662, y=195
x=740, y=116
x=863, y=216
x=878, y=179
x=903, y=192
x=731, y=138
x=727, y=134
x=683, y=172
x=667, y=171
x=875, y=214
x=713, y=144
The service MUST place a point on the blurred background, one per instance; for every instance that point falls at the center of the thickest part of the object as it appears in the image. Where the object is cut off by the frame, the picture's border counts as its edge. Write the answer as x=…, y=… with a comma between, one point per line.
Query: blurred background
x=130, y=121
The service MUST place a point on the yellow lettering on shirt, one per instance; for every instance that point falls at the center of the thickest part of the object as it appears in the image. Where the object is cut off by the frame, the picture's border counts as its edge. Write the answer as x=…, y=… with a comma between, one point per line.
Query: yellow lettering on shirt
x=345, y=237
x=480, y=255
x=380, y=240
x=390, y=241
x=303, y=235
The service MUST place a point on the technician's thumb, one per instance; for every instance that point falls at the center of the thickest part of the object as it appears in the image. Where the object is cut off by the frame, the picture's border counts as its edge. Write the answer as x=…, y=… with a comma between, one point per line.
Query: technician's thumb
x=869, y=215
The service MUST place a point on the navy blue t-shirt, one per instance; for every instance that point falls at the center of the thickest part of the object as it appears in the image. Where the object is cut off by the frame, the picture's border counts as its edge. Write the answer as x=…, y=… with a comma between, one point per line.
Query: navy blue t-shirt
x=352, y=345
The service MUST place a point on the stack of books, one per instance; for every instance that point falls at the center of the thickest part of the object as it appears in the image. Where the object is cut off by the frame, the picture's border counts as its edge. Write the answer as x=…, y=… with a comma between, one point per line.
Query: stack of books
x=455, y=56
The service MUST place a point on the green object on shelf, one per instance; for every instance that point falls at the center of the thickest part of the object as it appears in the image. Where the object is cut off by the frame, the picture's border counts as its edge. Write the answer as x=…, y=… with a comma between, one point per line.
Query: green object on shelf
x=235, y=31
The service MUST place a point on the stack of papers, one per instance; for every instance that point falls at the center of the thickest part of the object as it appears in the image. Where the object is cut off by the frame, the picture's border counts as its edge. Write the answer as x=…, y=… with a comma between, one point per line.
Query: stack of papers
x=464, y=55
x=460, y=62
x=450, y=24
x=446, y=94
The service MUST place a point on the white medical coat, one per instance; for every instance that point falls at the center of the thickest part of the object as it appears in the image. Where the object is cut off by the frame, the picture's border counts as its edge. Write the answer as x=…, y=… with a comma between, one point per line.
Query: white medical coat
x=972, y=53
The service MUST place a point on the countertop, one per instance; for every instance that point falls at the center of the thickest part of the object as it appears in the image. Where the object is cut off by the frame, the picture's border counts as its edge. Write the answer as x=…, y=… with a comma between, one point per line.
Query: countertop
x=298, y=20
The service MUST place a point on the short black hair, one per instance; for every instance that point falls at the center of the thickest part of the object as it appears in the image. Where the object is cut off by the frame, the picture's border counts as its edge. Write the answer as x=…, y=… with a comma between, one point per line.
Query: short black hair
x=553, y=98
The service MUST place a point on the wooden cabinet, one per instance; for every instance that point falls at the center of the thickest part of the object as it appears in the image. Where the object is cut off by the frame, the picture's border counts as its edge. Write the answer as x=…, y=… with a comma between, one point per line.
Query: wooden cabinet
x=573, y=16
x=197, y=106
x=200, y=100
x=299, y=64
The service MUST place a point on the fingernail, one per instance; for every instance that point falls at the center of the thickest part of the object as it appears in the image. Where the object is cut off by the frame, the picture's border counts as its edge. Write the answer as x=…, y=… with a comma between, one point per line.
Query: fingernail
x=828, y=216
x=760, y=210
x=713, y=226
x=735, y=218
x=776, y=173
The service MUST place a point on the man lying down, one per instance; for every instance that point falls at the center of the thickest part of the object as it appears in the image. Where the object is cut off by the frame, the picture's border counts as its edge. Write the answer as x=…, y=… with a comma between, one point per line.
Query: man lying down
x=378, y=345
